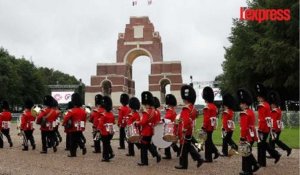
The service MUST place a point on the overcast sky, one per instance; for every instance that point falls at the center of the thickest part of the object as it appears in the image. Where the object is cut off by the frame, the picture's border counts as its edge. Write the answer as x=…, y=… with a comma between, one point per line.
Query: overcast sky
x=74, y=35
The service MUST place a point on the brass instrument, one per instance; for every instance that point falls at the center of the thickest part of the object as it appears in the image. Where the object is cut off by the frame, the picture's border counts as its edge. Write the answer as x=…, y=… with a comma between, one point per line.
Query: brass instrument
x=245, y=149
x=36, y=110
x=202, y=138
x=21, y=133
x=233, y=152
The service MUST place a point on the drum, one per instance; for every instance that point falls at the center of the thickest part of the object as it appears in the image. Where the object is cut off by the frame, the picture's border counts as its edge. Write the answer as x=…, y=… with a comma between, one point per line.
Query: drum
x=110, y=128
x=132, y=133
x=157, y=138
x=169, y=134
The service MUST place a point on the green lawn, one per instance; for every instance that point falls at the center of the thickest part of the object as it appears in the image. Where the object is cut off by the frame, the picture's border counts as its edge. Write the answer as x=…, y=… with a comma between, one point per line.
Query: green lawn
x=290, y=136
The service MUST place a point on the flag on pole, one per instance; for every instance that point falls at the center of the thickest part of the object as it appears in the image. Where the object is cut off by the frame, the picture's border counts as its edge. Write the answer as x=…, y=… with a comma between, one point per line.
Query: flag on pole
x=134, y=2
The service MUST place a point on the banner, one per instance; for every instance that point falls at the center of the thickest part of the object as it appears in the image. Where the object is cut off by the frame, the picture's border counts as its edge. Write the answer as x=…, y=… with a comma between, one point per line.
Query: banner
x=62, y=97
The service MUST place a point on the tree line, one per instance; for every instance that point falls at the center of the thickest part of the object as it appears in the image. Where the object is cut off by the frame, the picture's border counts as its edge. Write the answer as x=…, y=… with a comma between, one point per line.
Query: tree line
x=21, y=79
x=266, y=52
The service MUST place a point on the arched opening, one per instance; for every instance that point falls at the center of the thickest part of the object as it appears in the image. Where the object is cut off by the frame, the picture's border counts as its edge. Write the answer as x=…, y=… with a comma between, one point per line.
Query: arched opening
x=141, y=69
x=106, y=87
x=165, y=88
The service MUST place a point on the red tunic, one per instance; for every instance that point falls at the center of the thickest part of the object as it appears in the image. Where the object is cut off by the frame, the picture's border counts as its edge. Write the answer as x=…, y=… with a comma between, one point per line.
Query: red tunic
x=247, y=124
x=263, y=112
x=78, y=118
x=133, y=116
x=5, y=116
x=27, y=120
x=276, y=117
x=156, y=117
x=188, y=115
x=50, y=115
x=170, y=114
x=123, y=116
x=209, y=113
x=95, y=115
x=227, y=116
x=147, y=122
x=106, y=118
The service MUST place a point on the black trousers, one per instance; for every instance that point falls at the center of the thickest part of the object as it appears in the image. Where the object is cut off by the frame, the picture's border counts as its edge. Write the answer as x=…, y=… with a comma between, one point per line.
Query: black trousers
x=67, y=141
x=46, y=140
x=262, y=147
x=107, y=149
x=145, y=146
x=168, y=150
x=186, y=148
x=122, y=137
x=131, y=149
x=248, y=163
x=29, y=136
x=5, y=132
x=227, y=140
x=278, y=142
x=210, y=148
x=97, y=144
x=75, y=141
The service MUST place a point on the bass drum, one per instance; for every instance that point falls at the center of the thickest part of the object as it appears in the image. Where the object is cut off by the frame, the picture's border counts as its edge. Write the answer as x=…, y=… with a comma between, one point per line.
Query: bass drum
x=157, y=138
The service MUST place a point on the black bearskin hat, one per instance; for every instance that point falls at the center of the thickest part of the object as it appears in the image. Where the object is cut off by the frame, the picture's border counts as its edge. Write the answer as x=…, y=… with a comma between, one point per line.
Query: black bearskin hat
x=134, y=103
x=261, y=91
x=5, y=105
x=244, y=96
x=208, y=94
x=228, y=101
x=171, y=100
x=274, y=98
x=107, y=103
x=98, y=99
x=147, y=98
x=188, y=93
x=28, y=104
x=124, y=99
x=48, y=100
x=70, y=105
x=55, y=103
x=156, y=102
x=76, y=99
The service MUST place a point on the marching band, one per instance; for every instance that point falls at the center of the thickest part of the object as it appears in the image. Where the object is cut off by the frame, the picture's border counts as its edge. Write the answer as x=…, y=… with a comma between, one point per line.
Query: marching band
x=137, y=125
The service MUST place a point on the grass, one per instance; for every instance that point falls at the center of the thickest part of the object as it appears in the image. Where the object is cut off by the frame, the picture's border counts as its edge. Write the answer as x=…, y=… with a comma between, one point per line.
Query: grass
x=289, y=136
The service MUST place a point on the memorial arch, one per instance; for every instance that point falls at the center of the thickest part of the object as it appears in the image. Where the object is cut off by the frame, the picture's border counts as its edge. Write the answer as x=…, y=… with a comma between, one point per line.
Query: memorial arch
x=139, y=39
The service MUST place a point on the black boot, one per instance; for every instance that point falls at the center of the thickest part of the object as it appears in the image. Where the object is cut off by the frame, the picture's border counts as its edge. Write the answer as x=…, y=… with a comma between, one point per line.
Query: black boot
x=25, y=148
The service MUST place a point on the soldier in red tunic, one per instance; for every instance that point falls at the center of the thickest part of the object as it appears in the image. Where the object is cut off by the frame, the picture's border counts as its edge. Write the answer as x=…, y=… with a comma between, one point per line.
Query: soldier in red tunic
x=94, y=118
x=264, y=125
x=76, y=116
x=67, y=126
x=46, y=119
x=170, y=116
x=56, y=134
x=133, y=117
x=209, y=123
x=274, y=100
x=5, y=118
x=26, y=125
x=147, y=124
x=124, y=110
x=105, y=126
x=185, y=128
x=247, y=136
x=228, y=123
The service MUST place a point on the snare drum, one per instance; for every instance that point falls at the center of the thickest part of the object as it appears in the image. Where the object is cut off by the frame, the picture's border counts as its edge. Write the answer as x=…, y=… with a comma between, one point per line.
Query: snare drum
x=169, y=135
x=132, y=133
x=110, y=128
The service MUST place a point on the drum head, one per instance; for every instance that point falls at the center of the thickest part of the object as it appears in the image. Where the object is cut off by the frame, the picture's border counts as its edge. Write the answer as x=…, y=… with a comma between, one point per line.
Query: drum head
x=157, y=138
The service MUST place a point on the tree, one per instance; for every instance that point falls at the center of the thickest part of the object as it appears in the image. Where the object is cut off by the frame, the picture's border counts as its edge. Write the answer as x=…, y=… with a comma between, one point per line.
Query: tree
x=266, y=52
x=21, y=79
